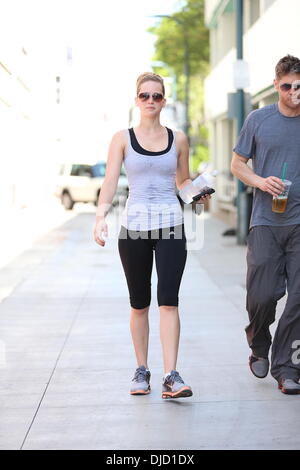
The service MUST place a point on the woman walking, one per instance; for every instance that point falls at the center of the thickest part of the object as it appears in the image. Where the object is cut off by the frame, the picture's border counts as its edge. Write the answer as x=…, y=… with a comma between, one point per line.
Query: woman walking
x=155, y=159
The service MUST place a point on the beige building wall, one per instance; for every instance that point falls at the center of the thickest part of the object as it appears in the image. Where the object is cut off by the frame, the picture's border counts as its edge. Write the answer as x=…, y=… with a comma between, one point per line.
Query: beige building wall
x=27, y=101
x=268, y=36
x=15, y=116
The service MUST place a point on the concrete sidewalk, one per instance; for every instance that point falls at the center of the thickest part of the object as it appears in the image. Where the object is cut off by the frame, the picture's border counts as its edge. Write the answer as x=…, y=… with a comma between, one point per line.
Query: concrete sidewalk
x=66, y=357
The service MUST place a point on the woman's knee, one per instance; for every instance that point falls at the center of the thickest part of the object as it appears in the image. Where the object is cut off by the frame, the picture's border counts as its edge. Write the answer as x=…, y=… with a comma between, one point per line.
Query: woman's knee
x=140, y=310
x=168, y=308
x=140, y=300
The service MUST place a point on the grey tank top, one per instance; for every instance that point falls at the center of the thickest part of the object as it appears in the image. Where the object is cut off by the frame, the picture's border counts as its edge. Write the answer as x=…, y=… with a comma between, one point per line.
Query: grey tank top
x=152, y=202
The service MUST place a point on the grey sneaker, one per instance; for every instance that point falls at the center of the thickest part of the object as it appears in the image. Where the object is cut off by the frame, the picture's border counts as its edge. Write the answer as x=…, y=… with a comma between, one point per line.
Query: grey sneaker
x=174, y=387
x=289, y=386
x=259, y=366
x=140, y=384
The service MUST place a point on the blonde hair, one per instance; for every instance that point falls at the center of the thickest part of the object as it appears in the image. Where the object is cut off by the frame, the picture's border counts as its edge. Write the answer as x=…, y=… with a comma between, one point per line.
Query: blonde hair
x=149, y=76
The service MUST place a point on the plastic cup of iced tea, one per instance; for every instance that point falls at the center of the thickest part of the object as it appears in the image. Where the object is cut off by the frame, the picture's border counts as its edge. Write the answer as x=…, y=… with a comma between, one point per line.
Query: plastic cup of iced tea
x=279, y=202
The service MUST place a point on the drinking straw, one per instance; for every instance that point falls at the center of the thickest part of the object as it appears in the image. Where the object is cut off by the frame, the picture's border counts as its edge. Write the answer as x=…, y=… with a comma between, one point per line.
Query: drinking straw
x=283, y=171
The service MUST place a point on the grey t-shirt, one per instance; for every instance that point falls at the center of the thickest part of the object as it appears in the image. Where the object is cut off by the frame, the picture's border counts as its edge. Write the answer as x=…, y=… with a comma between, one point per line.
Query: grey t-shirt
x=271, y=139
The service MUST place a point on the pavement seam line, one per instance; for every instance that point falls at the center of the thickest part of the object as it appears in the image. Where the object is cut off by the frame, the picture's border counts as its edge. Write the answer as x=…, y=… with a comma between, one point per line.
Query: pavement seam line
x=55, y=365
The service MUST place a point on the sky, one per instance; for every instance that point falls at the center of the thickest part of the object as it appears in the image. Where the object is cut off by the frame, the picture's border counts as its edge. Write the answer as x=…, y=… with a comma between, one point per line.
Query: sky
x=109, y=47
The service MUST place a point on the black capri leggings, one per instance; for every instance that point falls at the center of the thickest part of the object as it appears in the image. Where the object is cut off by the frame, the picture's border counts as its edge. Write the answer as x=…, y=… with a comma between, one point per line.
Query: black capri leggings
x=136, y=252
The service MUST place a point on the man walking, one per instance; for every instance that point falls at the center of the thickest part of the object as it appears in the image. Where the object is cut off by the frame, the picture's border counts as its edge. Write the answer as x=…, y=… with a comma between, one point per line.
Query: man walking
x=271, y=138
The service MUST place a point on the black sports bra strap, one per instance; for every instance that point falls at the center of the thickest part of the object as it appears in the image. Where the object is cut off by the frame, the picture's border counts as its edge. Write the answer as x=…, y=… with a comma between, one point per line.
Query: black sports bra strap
x=136, y=146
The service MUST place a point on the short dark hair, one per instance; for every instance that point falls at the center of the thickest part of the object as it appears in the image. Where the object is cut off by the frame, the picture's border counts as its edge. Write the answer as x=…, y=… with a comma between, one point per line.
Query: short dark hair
x=286, y=65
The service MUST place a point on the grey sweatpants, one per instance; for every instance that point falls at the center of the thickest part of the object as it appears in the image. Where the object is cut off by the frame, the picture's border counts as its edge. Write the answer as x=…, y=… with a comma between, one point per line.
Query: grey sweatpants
x=273, y=260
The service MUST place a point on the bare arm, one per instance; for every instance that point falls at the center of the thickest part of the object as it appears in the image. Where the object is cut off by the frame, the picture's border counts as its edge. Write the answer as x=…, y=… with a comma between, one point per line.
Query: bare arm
x=113, y=168
x=109, y=185
x=182, y=173
x=243, y=172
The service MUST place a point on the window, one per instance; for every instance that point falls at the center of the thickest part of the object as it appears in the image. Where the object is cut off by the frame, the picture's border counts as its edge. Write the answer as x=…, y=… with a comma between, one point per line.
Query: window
x=222, y=37
x=81, y=170
x=99, y=170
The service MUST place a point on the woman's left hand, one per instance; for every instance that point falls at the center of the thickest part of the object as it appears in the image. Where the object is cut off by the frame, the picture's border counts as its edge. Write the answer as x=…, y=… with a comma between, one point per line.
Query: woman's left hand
x=203, y=199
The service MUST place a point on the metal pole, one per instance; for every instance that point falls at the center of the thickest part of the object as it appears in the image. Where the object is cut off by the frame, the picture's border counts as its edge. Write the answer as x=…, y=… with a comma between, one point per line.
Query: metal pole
x=187, y=84
x=242, y=197
x=240, y=56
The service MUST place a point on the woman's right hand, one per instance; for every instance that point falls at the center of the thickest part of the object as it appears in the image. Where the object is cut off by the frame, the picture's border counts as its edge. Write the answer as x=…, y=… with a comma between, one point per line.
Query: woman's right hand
x=100, y=230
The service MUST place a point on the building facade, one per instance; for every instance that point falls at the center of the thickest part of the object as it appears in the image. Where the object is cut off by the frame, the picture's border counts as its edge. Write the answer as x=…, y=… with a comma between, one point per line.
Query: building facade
x=29, y=121
x=270, y=32
x=15, y=117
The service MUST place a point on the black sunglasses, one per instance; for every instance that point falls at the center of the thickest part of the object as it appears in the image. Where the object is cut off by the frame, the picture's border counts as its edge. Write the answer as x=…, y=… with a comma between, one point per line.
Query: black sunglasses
x=288, y=86
x=155, y=96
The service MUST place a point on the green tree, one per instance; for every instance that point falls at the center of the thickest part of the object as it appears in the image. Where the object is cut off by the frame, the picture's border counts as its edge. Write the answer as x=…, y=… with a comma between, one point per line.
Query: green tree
x=183, y=44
